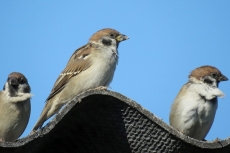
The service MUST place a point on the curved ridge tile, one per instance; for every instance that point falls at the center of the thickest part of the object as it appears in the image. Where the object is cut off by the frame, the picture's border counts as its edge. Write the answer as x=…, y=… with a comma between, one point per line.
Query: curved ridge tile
x=105, y=121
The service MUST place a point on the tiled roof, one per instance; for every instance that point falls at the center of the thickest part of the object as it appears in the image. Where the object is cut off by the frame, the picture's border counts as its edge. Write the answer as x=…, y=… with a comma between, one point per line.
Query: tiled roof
x=102, y=121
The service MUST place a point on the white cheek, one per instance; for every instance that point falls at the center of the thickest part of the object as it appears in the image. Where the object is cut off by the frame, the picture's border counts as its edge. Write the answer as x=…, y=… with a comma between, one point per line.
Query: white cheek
x=214, y=84
x=21, y=88
x=7, y=89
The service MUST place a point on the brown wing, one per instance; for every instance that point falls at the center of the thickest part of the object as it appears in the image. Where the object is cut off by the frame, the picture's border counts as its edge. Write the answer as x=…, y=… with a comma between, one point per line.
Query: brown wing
x=78, y=52
x=75, y=65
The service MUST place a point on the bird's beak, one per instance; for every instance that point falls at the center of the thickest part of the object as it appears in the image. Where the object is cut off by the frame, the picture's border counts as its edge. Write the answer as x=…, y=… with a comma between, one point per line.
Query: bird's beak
x=13, y=81
x=223, y=78
x=121, y=37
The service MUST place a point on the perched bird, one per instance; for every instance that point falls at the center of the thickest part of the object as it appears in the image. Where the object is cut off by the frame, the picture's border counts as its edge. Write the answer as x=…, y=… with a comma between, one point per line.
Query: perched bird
x=14, y=107
x=194, y=108
x=90, y=66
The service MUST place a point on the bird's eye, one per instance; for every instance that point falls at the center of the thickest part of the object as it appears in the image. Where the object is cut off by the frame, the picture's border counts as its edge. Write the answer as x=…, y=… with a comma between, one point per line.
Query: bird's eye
x=213, y=75
x=22, y=81
x=111, y=35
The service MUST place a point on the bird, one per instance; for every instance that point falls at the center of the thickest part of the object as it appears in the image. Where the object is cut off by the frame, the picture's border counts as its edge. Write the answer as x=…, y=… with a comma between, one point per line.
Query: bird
x=90, y=66
x=14, y=107
x=193, y=110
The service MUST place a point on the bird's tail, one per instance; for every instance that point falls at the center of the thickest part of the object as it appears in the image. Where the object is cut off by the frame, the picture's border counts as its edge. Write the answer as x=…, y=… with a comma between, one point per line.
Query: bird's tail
x=49, y=110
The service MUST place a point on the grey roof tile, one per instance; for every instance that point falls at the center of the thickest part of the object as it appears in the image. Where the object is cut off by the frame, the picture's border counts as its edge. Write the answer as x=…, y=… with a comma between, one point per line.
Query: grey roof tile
x=102, y=121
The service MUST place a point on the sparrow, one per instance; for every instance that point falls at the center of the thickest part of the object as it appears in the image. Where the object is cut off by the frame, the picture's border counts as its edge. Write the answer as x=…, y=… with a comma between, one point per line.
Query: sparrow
x=90, y=66
x=193, y=111
x=14, y=107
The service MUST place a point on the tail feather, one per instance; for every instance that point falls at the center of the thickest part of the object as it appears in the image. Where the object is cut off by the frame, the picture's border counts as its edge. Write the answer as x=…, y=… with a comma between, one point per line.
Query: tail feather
x=43, y=117
x=49, y=110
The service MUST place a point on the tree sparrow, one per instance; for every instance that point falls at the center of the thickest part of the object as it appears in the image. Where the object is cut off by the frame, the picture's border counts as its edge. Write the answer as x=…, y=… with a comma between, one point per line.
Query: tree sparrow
x=194, y=108
x=14, y=107
x=90, y=66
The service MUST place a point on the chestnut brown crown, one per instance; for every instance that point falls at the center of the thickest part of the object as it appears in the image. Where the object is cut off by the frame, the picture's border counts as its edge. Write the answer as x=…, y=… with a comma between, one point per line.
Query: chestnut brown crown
x=207, y=70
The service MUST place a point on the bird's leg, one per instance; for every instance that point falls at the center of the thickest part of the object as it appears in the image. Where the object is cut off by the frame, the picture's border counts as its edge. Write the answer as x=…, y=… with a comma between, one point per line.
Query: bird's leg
x=216, y=140
x=98, y=88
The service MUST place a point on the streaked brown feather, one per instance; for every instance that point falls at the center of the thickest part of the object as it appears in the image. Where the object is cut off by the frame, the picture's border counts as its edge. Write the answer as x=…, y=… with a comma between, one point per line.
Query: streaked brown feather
x=78, y=52
x=74, y=65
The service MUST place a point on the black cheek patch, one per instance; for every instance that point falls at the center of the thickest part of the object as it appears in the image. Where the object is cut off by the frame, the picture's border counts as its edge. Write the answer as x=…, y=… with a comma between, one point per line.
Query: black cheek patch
x=208, y=81
x=107, y=42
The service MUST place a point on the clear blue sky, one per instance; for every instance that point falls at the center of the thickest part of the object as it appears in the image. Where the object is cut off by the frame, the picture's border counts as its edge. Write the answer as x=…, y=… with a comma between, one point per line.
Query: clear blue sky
x=167, y=41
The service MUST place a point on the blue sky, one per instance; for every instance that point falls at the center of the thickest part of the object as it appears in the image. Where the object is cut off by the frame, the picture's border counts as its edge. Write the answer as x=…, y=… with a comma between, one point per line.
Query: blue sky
x=168, y=39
